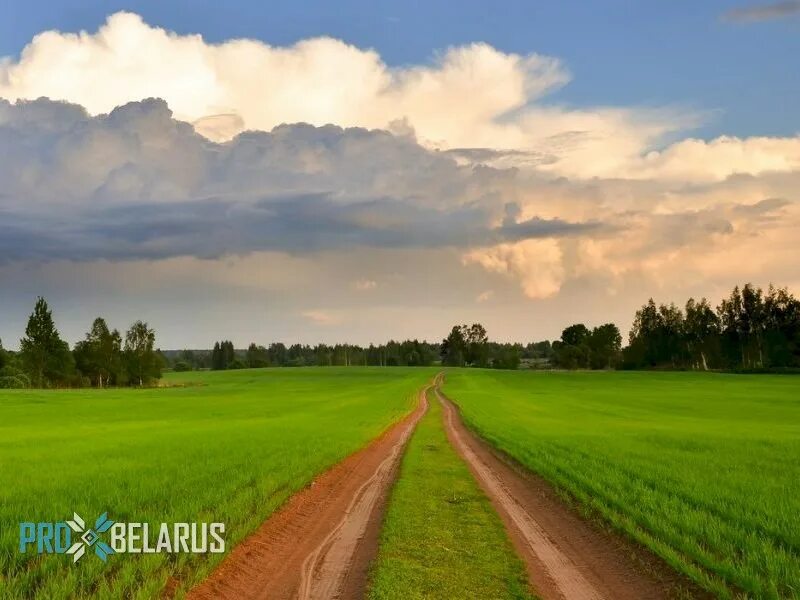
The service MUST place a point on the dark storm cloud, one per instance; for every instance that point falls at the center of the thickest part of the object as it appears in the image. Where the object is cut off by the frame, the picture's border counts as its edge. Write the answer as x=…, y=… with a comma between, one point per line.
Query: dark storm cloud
x=763, y=12
x=138, y=184
x=213, y=228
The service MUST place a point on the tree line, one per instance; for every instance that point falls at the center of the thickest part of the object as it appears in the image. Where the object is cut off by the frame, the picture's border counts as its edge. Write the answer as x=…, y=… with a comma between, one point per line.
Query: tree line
x=465, y=346
x=410, y=353
x=104, y=358
x=401, y=354
x=751, y=329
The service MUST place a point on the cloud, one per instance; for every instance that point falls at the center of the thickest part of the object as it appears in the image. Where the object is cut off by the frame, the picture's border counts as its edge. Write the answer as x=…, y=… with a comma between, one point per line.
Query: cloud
x=536, y=263
x=470, y=96
x=715, y=160
x=219, y=127
x=364, y=285
x=318, y=81
x=763, y=12
x=136, y=183
x=322, y=317
x=481, y=105
x=455, y=176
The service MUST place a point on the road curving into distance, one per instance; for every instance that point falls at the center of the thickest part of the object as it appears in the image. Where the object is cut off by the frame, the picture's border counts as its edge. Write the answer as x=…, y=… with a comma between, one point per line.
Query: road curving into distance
x=321, y=543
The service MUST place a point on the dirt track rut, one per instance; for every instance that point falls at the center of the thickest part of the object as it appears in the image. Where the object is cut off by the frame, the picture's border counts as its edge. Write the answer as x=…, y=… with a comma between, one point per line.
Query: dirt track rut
x=567, y=558
x=321, y=543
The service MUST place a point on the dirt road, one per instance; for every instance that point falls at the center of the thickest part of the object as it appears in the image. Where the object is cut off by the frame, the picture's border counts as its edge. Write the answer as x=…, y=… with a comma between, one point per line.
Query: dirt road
x=320, y=544
x=567, y=558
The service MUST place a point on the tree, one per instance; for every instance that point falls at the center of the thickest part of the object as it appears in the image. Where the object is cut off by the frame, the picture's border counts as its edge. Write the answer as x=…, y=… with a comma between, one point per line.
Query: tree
x=323, y=355
x=656, y=337
x=228, y=353
x=277, y=354
x=11, y=377
x=237, y=363
x=181, y=366
x=300, y=355
x=605, y=346
x=45, y=356
x=223, y=355
x=476, y=340
x=195, y=360
x=641, y=350
x=701, y=333
x=414, y=353
x=742, y=317
x=391, y=354
x=99, y=356
x=572, y=351
x=671, y=348
x=506, y=356
x=575, y=335
x=454, y=348
x=141, y=361
x=782, y=328
x=465, y=345
x=566, y=356
x=257, y=356
x=216, y=358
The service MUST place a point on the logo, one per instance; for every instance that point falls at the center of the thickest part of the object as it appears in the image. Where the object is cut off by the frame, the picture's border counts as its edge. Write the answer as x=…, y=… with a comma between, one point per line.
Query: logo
x=122, y=538
x=90, y=537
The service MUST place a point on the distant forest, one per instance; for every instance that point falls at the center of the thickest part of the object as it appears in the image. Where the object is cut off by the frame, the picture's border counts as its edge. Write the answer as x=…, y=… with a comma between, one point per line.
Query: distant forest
x=751, y=330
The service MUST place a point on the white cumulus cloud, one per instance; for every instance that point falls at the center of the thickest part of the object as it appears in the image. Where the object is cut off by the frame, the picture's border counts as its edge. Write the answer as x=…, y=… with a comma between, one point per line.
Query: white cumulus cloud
x=471, y=96
x=536, y=263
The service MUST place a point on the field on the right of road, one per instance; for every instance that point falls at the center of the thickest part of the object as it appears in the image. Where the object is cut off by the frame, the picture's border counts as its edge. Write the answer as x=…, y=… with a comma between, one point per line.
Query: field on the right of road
x=704, y=469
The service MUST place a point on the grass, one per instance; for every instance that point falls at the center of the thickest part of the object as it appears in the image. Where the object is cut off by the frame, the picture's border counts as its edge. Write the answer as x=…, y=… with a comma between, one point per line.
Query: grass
x=704, y=469
x=231, y=449
x=441, y=537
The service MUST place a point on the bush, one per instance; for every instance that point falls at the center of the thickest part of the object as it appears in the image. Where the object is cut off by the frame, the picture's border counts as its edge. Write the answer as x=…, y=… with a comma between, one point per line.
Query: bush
x=13, y=379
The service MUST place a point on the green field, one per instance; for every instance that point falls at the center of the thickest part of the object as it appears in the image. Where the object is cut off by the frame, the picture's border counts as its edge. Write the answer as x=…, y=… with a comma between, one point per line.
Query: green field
x=702, y=468
x=441, y=537
x=230, y=450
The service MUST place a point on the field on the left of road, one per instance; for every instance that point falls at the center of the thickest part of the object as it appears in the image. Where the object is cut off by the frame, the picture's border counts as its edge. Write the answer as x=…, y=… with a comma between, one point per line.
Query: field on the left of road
x=229, y=448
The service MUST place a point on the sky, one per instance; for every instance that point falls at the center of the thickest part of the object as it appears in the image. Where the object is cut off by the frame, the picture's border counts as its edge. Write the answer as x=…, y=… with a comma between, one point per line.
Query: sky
x=374, y=170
